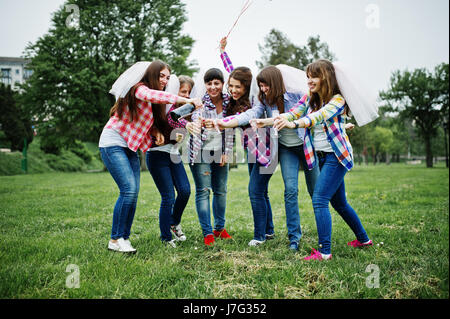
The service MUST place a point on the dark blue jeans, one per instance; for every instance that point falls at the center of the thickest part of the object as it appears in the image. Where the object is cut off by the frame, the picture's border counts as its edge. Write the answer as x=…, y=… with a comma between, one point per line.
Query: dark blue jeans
x=330, y=188
x=124, y=166
x=209, y=176
x=169, y=177
x=290, y=160
x=258, y=187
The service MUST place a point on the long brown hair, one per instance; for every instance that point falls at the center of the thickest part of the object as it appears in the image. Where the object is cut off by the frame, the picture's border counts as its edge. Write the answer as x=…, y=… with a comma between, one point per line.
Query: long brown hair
x=272, y=77
x=150, y=79
x=329, y=87
x=243, y=75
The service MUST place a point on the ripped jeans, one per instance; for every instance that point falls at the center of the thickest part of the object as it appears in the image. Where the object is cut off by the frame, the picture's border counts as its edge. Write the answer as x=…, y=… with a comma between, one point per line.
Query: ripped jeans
x=207, y=177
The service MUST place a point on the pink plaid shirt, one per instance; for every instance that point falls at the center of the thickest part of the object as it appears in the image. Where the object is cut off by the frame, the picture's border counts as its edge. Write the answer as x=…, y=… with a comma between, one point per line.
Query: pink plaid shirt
x=136, y=133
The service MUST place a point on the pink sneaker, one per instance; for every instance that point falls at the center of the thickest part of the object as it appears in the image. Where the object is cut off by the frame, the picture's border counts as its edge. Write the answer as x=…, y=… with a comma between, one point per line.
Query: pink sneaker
x=316, y=255
x=357, y=243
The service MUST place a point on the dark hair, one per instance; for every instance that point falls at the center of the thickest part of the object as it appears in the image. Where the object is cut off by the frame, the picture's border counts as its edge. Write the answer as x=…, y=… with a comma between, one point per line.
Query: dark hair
x=243, y=75
x=329, y=87
x=213, y=74
x=272, y=77
x=150, y=79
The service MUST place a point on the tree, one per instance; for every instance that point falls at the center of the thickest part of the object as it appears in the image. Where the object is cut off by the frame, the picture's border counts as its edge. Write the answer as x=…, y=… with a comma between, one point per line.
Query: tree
x=278, y=49
x=381, y=140
x=76, y=63
x=422, y=97
x=14, y=121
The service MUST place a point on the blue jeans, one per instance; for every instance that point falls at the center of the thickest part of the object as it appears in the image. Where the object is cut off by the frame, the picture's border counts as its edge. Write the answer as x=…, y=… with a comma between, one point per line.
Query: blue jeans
x=209, y=176
x=290, y=160
x=124, y=166
x=259, y=199
x=169, y=177
x=330, y=188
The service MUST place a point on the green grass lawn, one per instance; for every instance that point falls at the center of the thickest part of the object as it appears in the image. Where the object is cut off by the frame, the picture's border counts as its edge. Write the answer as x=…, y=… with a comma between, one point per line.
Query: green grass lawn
x=50, y=221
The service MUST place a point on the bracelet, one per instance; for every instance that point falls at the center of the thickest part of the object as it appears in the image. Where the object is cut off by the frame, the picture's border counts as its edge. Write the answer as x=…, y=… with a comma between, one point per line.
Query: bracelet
x=296, y=124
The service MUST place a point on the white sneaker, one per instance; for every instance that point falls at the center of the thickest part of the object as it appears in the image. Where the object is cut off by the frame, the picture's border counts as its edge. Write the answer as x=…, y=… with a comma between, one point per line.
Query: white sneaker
x=170, y=243
x=255, y=242
x=121, y=246
x=179, y=235
x=113, y=246
x=128, y=243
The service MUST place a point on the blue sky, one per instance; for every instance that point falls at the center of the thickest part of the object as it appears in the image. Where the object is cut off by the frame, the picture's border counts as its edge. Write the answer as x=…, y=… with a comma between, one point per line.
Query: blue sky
x=407, y=34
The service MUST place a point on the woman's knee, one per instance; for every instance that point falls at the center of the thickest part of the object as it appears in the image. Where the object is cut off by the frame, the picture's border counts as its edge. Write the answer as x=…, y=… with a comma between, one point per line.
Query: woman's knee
x=320, y=201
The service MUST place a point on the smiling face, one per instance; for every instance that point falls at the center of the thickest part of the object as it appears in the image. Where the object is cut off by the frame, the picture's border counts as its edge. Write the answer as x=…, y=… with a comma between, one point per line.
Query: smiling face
x=164, y=76
x=236, y=88
x=185, y=90
x=264, y=88
x=214, y=88
x=314, y=84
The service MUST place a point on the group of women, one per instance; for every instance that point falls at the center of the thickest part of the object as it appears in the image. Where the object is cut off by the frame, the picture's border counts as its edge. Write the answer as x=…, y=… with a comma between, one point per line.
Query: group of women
x=295, y=128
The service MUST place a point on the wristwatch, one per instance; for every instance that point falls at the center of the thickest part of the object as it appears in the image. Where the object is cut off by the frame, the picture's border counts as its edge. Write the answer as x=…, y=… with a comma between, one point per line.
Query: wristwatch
x=296, y=124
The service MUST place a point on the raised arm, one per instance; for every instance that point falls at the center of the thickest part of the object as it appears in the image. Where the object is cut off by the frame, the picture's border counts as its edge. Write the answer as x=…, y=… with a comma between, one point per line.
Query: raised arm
x=224, y=56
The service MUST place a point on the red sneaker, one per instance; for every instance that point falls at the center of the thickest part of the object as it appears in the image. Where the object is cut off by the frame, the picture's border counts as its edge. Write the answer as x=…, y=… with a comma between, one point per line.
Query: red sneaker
x=209, y=240
x=221, y=234
x=316, y=255
x=357, y=243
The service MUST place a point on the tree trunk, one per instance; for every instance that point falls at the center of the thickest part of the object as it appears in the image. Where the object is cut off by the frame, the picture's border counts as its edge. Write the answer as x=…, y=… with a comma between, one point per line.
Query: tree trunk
x=142, y=159
x=445, y=143
x=429, y=152
x=366, y=160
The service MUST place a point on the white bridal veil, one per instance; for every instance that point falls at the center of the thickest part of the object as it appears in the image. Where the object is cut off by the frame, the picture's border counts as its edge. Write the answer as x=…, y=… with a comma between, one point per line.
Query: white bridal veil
x=129, y=78
x=360, y=100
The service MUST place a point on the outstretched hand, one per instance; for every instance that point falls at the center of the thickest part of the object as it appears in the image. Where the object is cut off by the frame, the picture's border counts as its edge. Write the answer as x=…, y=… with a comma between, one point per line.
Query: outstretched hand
x=194, y=128
x=281, y=122
x=349, y=126
x=223, y=44
x=197, y=103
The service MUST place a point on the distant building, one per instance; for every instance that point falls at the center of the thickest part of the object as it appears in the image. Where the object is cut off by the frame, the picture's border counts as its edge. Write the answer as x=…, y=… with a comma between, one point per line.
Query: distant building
x=14, y=71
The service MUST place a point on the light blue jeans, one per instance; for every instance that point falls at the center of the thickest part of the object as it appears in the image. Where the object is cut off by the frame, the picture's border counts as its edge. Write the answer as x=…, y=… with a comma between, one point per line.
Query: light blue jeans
x=124, y=166
x=290, y=160
x=207, y=177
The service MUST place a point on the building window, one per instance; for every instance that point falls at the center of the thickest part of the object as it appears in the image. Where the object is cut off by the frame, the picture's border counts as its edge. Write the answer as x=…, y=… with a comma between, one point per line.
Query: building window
x=27, y=73
x=17, y=71
x=6, y=76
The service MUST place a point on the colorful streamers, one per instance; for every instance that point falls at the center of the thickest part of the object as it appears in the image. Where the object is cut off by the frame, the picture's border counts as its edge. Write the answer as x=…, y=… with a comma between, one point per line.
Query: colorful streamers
x=246, y=5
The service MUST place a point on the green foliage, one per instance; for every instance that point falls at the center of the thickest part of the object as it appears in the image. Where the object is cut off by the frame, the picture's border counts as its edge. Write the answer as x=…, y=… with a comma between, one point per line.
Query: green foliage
x=81, y=151
x=4, y=143
x=14, y=120
x=278, y=49
x=82, y=157
x=75, y=65
x=421, y=97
